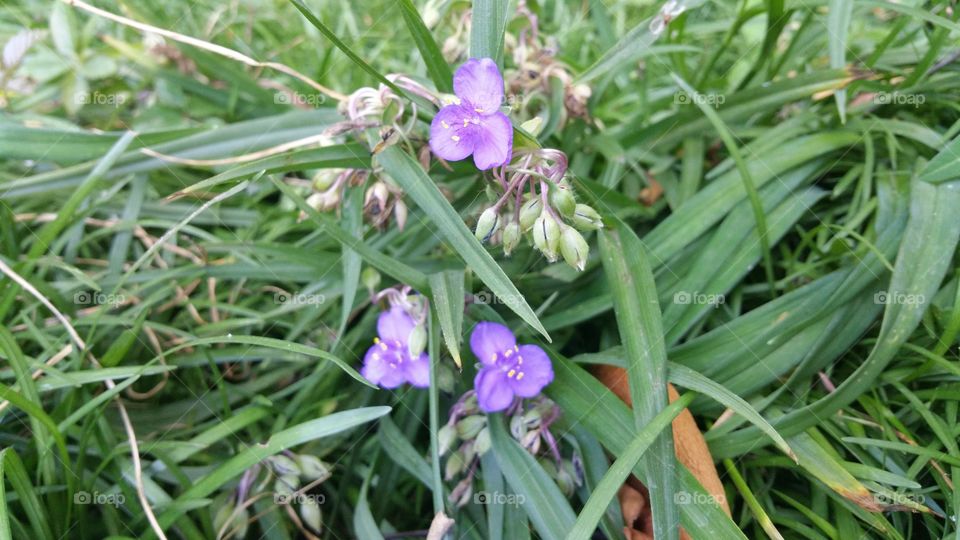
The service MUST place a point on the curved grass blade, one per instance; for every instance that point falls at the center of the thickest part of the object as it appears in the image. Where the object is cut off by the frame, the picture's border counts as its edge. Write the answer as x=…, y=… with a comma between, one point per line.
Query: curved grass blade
x=11, y=468
x=606, y=490
x=415, y=182
x=944, y=166
x=318, y=24
x=838, y=22
x=448, y=299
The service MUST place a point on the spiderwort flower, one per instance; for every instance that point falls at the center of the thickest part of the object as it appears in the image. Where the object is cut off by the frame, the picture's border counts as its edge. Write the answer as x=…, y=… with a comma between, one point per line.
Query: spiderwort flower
x=508, y=371
x=388, y=362
x=474, y=124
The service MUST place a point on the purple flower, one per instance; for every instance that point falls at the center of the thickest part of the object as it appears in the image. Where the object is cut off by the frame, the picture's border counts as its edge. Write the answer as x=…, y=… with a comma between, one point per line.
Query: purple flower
x=388, y=362
x=475, y=125
x=508, y=371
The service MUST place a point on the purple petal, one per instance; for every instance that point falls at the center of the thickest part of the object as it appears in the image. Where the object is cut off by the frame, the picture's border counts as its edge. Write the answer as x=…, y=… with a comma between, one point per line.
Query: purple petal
x=479, y=84
x=489, y=340
x=377, y=369
x=494, y=142
x=493, y=391
x=536, y=369
x=417, y=370
x=453, y=133
x=394, y=326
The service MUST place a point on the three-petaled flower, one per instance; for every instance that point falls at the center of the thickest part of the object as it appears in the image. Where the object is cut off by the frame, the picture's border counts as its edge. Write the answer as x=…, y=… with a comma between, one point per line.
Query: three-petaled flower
x=388, y=362
x=474, y=124
x=508, y=371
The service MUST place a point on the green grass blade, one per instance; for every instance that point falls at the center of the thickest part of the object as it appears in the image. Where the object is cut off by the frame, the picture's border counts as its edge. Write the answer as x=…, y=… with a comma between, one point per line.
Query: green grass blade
x=838, y=23
x=489, y=20
x=637, y=311
x=437, y=67
x=447, y=290
x=548, y=509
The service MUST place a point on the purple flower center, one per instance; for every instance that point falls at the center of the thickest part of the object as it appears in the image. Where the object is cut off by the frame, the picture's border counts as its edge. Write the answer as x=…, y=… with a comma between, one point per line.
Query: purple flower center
x=510, y=362
x=388, y=362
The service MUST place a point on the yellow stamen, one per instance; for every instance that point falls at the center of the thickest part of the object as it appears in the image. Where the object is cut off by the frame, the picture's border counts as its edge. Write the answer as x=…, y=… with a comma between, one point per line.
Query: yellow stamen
x=444, y=124
x=511, y=373
x=479, y=109
x=519, y=375
x=466, y=122
x=455, y=138
x=493, y=357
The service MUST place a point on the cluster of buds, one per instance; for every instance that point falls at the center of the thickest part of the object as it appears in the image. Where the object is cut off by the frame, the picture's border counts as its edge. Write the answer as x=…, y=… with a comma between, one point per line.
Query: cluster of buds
x=382, y=198
x=466, y=437
x=539, y=202
x=292, y=478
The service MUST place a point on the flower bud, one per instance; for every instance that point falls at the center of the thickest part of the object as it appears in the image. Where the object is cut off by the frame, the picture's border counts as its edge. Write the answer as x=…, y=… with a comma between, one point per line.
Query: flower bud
x=312, y=468
x=284, y=486
x=417, y=341
x=446, y=437
x=511, y=237
x=531, y=441
x=400, y=214
x=518, y=428
x=468, y=428
x=562, y=199
x=482, y=443
x=370, y=278
x=586, y=218
x=324, y=179
x=529, y=213
x=311, y=514
x=325, y=200
x=574, y=248
x=533, y=126
x=546, y=236
x=283, y=465
x=487, y=224
x=565, y=481
x=454, y=465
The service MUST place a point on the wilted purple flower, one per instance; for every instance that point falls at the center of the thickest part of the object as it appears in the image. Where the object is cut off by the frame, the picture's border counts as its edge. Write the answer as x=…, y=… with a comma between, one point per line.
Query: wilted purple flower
x=508, y=371
x=475, y=125
x=388, y=362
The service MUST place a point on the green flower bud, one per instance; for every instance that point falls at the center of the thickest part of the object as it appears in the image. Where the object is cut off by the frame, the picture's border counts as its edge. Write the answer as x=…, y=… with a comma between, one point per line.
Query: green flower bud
x=487, y=224
x=533, y=126
x=562, y=199
x=311, y=514
x=565, y=481
x=531, y=441
x=586, y=218
x=285, y=486
x=446, y=438
x=417, y=341
x=529, y=213
x=312, y=468
x=574, y=248
x=283, y=465
x=324, y=178
x=370, y=278
x=469, y=427
x=532, y=418
x=455, y=464
x=482, y=443
x=546, y=236
x=511, y=237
